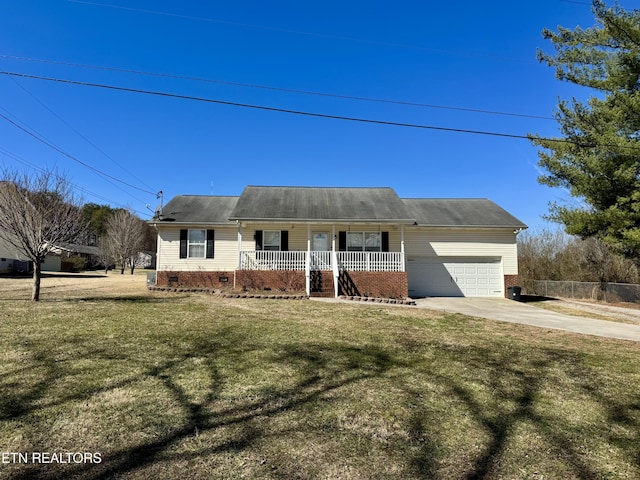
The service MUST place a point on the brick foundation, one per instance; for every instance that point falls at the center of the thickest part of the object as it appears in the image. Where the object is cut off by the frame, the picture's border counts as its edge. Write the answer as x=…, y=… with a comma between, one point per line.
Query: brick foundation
x=276, y=280
x=509, y=281
x=374, y=284
x=363, y=284
x=195, y=279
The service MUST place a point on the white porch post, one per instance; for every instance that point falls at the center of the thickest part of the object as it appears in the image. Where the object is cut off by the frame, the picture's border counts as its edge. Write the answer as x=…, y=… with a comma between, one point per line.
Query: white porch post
x=334, y=262
x=307, y=264
x=402, y=247
x=333, y=238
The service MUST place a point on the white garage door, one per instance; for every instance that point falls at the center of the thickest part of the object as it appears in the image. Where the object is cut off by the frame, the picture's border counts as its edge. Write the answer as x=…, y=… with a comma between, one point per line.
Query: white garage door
x=455, y=277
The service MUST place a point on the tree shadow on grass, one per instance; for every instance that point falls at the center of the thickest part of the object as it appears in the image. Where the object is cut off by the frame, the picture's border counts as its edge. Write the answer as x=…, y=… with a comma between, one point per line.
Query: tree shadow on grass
x=324, y=369
x=513, y=382
x=133, y=299
x=319, y=369
x=516, y=386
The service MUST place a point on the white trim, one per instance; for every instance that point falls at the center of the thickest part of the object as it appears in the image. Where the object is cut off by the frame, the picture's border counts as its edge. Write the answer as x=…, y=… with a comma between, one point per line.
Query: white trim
x=198, y=244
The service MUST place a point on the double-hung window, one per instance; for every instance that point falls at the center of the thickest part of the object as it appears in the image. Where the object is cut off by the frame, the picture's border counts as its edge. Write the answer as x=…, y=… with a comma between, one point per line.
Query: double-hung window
x=196, y=243
x=272, y=240
x=364, y=242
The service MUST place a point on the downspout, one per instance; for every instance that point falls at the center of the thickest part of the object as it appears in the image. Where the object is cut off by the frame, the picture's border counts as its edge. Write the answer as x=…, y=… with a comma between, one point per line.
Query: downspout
x=239, y=252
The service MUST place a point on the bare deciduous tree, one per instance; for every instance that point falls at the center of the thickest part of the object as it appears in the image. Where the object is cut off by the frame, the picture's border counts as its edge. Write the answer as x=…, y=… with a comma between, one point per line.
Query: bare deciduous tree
x=124, y=239
x=554, y=255
x=38, y=213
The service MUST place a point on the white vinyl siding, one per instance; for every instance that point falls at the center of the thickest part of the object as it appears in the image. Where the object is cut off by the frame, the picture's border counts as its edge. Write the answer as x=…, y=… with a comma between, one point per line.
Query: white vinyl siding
x=443, y=242
x=298, y=233
x=226, y=251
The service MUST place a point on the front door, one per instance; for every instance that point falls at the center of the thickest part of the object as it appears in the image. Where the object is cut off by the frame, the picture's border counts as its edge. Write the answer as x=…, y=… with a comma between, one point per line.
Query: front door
x=320, y=242
x=320, y=258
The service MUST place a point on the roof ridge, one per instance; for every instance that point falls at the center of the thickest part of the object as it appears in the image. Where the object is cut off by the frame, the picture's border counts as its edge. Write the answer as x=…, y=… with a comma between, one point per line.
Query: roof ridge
x=318, y=187
x=207, y=196
x=446, y=198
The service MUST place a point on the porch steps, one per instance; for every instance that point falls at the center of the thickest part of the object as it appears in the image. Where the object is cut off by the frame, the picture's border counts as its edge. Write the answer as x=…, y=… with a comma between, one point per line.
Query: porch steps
x=322, y=294
x=321, y=285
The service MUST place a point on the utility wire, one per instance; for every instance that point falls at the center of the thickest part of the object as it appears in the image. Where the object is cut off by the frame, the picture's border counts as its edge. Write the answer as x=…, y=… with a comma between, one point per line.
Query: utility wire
x=33, y=166
x=50, y=144
x=68, y=155
x=295, y=32
x=77, y=132
x=277, y=89
x=266, y=108
x=293, y=112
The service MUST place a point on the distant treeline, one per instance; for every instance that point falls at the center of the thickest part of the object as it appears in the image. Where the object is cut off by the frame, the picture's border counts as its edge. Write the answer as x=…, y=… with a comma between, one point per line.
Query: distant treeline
x=554, y=255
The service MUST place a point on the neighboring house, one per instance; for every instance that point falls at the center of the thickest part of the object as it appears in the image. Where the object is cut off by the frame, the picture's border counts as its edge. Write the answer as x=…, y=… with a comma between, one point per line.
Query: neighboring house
x=331, y=241
x=12, y=260
x=64, y=252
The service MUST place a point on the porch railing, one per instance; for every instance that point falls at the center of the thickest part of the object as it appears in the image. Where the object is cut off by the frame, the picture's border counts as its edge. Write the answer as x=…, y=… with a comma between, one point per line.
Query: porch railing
x=321, y=260
x=370, y=261
x=272, y=260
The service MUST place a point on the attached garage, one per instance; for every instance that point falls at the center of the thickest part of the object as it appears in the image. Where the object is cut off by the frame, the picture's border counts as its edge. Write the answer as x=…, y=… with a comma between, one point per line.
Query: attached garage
x=455, y=277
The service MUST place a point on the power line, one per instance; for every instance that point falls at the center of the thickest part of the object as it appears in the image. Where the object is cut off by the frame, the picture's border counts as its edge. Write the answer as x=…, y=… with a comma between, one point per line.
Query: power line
x=284, y=110
x=68, y=155
x=578, y=3
x=266, y=108
x=278, y=89
x=295, y=32
x=33, y=166
x=77, y=132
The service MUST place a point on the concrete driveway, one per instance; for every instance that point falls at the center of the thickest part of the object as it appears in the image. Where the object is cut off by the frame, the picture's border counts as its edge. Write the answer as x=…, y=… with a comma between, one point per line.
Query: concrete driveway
x=516, y=312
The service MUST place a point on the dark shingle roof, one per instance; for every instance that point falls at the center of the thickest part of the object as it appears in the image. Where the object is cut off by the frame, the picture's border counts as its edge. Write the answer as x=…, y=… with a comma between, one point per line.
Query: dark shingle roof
x=459, y=212
x=199, y=209
x=336, y=204
x=321, y=204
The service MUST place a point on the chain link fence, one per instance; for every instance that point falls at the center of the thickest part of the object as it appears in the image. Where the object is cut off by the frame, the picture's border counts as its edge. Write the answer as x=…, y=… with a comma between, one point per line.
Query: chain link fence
x=607, y=292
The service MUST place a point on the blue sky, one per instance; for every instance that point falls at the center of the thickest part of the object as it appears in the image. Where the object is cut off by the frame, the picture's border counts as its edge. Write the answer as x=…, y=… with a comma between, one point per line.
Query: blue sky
x=465, y=55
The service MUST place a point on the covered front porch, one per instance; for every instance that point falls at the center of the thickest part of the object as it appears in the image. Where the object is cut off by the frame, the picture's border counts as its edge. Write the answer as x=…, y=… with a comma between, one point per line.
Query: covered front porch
x=347, y=273
x=338, y=263
x=334, y=252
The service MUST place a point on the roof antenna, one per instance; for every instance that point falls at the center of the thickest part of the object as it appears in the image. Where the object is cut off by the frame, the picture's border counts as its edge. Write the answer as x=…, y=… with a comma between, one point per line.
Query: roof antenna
x=157, y=213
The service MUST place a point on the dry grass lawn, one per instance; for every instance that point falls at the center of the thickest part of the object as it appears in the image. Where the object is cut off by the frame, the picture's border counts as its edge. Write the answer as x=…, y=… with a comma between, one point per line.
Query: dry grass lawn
x=183, y=385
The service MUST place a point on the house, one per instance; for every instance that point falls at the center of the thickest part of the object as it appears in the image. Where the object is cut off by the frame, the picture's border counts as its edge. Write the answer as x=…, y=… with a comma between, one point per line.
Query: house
x=331, y=241
x=12, y=260
x=71, y=257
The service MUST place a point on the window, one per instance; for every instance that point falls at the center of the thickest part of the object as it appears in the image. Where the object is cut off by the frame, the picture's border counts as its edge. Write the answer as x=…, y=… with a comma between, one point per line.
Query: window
x=196, y=243
x=271, y=240
x=364, y=241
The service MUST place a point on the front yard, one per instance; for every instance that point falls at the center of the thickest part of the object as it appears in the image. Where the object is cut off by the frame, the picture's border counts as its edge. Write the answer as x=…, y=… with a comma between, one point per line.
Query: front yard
x=168, y=385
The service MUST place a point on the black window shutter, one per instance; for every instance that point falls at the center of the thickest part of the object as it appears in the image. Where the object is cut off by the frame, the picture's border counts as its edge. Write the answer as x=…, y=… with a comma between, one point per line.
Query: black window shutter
x=183, y=243
x=210, y=243
x=385, y=241
x=342, y=241
x=284, y=240
x=258, y=237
